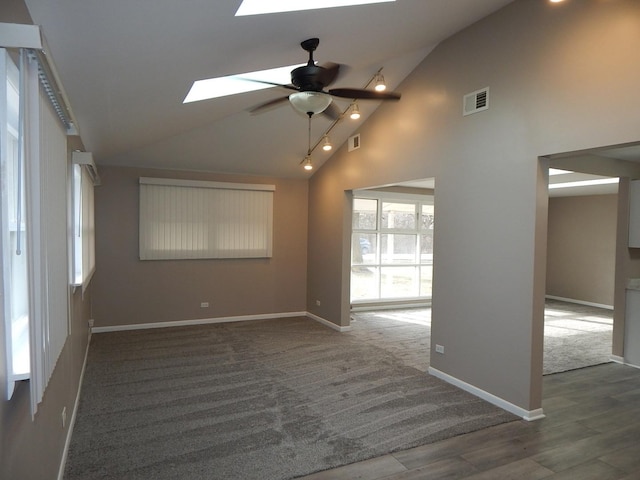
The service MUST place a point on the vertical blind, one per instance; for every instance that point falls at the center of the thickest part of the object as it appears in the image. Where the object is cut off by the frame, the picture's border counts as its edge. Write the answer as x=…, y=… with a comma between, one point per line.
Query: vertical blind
x=35, y=166
x=47, y=228
x=188, y=219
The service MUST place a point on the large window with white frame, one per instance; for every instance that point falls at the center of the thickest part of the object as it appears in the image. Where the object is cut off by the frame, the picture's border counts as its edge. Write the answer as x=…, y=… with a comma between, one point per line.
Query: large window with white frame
x=391, y=247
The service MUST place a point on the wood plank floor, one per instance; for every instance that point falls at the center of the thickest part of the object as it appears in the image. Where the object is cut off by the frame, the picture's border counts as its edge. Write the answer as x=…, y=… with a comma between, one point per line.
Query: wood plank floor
x=591, y=431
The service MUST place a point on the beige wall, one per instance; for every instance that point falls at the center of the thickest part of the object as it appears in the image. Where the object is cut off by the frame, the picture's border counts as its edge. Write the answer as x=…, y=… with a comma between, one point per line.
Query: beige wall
x=581, y=248
x=32, y=449
x=541, y=62
x=129, y=291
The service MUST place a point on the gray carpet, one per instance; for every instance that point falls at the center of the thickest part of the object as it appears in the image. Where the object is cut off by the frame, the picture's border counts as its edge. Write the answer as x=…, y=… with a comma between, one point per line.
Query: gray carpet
x=254, y=400
x=575, y=336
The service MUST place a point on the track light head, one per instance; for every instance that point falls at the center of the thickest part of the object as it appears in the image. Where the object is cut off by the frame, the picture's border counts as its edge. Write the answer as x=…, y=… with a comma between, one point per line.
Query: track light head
x=326, y=146
x=380, y=86
x=355, y=111
x=307, y=163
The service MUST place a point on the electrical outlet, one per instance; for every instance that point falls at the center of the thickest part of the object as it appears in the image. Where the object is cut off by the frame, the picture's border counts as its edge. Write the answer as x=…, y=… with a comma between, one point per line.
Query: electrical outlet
x=318, y=303
x=91, y=323
x=64, y=417
x=439, y=349
x=204, y=305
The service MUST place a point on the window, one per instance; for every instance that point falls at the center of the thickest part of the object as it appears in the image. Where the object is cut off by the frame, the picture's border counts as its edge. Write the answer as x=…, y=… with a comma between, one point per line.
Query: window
x=392, y=247
x=84, y=177
x=183, y=219
x=33, y=223
x=13, y=228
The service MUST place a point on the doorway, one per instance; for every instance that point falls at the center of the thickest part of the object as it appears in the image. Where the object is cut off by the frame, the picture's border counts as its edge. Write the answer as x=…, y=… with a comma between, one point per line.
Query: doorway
x=586, y=240
x=392, y=246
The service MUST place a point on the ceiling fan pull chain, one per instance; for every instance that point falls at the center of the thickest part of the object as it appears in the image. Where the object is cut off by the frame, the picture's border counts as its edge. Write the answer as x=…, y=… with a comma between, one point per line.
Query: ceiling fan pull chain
x=309, y=135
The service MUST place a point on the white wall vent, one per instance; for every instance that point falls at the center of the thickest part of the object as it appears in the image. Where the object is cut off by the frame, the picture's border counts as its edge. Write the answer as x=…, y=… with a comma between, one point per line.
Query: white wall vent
x=354, y=142
x=475, y=102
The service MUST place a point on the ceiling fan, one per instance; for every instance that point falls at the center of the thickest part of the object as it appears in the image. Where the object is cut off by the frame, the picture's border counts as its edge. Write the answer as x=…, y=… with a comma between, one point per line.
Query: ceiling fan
x=309, y=83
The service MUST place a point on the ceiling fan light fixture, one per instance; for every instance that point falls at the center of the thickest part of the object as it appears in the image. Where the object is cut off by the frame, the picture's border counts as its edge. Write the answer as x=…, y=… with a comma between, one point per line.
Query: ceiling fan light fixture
x=355, y=112
x=326, y=146
x=380, y=86
x=310, y=102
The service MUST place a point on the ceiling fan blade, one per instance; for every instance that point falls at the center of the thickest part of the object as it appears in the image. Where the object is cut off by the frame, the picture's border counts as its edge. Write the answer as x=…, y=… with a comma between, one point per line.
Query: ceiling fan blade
x=332, y=112
x=288, y=87
x=330, y=73
x=360, y=93
x=268, y=105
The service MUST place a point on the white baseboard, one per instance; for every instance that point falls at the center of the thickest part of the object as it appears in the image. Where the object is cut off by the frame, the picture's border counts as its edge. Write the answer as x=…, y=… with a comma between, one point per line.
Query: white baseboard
x=631, y=365
x=327, y=323
x=579, y=302
x=72, y=420
x=198, y=321
x=622, y=361
x=529, y=415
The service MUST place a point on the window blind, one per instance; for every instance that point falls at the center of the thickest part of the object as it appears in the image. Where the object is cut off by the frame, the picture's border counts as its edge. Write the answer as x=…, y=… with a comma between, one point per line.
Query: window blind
x=47, y=224
x=188, y=219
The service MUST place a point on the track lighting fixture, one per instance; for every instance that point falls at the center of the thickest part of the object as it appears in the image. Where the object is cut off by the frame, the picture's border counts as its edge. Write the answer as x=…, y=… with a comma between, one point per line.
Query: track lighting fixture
x=380, y=85
x=355, y=111
x=326, y=146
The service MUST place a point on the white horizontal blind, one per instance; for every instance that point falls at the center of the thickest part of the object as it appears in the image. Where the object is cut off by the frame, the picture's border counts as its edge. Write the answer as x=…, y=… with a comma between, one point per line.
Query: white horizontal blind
x=192, y=219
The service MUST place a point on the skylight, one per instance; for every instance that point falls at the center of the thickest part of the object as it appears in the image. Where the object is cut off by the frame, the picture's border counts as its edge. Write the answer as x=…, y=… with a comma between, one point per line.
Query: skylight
x=234, y=84
x=259, y=7
x=557, y=171
x=584, y=183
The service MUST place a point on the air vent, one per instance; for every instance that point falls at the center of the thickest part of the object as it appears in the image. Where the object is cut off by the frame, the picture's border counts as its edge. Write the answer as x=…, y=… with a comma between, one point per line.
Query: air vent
x=475, y=102
x=354, y=143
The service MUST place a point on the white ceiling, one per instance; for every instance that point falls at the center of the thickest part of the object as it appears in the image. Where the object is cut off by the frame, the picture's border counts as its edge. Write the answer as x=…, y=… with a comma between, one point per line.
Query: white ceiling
x=127, y=65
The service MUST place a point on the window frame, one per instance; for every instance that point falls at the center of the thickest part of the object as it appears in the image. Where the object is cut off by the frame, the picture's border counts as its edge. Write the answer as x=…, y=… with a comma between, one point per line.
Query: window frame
x=378, y=265
x=83, y=179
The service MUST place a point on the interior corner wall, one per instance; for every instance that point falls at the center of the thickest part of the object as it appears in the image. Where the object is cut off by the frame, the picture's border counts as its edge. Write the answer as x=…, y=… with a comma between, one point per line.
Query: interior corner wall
x=582, y=248
x=541, y=61
x=130, y=291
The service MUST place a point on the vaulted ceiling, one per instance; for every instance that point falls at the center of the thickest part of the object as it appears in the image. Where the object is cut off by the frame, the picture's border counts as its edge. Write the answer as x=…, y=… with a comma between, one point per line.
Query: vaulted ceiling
x=126, y=67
